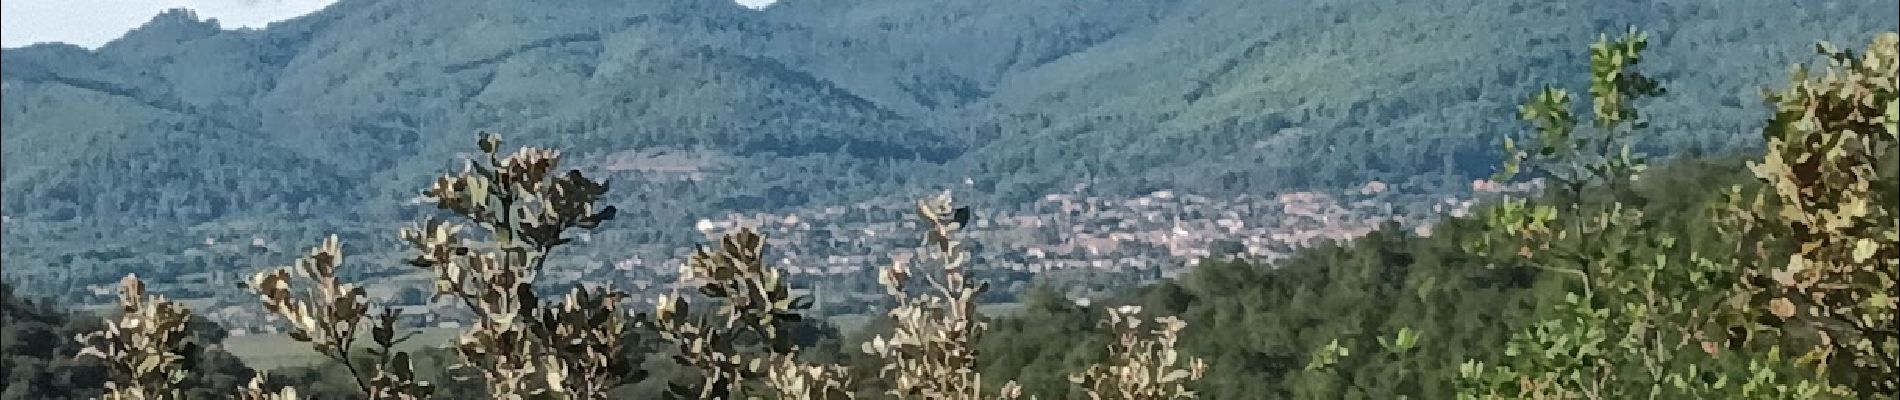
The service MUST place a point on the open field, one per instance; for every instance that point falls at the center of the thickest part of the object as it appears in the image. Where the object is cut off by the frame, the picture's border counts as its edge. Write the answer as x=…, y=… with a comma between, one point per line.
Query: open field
x=849, y=324
x=274, y=351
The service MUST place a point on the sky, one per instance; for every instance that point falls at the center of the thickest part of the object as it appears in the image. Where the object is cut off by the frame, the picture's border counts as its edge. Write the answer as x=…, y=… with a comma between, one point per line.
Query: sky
x=91, y=23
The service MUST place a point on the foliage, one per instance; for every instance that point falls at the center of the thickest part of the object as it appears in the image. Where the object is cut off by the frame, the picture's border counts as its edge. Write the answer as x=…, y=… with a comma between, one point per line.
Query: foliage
x=520, y=347
x=145, y=350
x=931, y=351
x=1831, y=193
x=330, y=317
x=42, y=360
x=1631, y=314
x=574, y=349
x=745, y=341
x=1143, y=365
x=1326, y=358
x=332, y=380
x=1649, y=320
x=755, y=306
x=1039, y=347
x=1256, y=326
x=255, y=391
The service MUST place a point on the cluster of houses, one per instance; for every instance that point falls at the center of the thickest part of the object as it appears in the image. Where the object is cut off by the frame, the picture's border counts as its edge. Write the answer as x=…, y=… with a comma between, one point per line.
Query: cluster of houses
x=1161, y=233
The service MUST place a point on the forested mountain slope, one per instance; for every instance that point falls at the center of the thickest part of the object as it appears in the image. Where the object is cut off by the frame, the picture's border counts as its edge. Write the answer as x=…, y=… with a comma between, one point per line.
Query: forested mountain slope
x=182, y=126
x=1260, y=95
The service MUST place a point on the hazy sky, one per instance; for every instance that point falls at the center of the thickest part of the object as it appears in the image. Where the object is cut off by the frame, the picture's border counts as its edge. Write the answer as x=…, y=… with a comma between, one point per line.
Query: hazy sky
x=90, y=23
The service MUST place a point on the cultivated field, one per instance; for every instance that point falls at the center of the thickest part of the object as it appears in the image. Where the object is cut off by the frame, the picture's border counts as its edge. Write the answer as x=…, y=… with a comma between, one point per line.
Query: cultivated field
x=849, y=324
x=273, y=351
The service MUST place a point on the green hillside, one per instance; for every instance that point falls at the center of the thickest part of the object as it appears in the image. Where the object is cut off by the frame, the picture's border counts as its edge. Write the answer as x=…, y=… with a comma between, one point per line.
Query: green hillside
x=693, y=109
